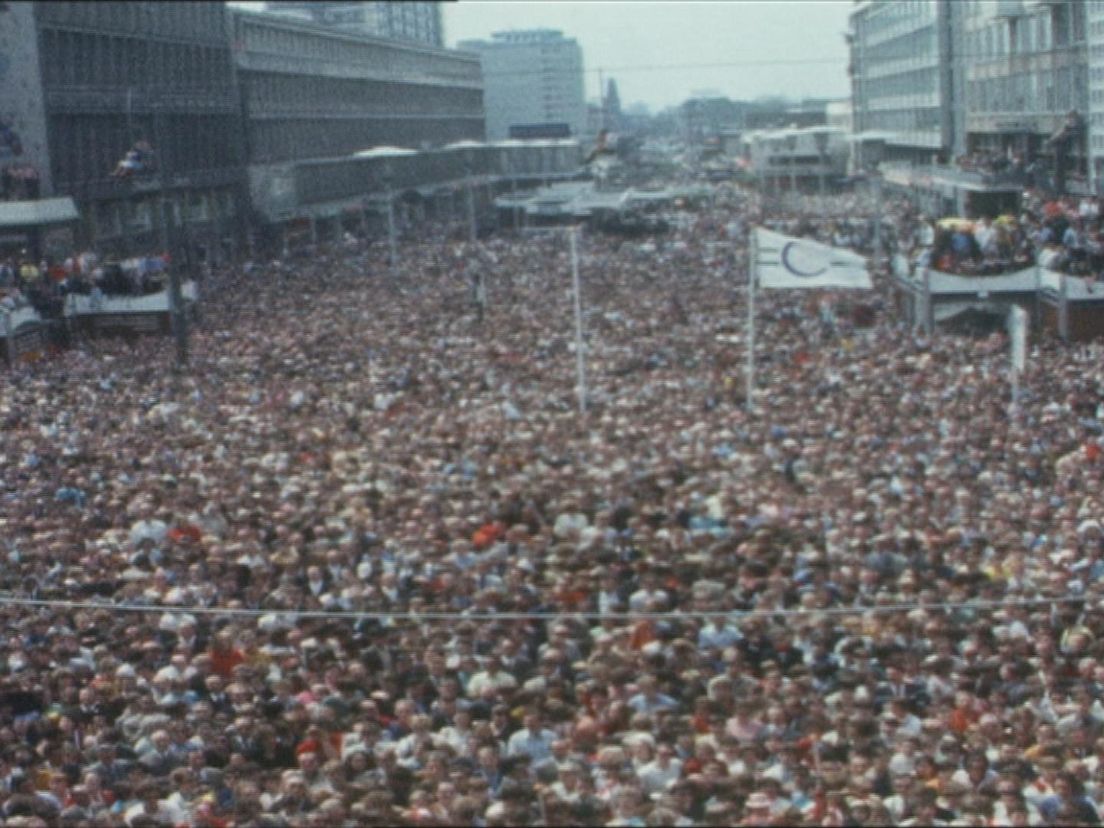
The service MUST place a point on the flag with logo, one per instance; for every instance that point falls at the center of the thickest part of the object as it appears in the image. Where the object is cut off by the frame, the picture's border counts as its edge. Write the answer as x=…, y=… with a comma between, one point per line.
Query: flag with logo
x=789, y=262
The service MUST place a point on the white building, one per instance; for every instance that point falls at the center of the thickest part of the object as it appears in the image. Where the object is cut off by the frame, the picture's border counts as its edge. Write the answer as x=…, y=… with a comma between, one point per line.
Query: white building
x=796, y=159
x=1094, y=10
x=1028, y=71
x=533, y=84
x=840, y=115
x=23, y=143
x=419, y=22
x=907, y=84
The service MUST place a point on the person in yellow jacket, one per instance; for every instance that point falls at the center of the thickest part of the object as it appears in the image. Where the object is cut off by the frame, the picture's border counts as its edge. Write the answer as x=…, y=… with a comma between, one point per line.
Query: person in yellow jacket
x=29, y=272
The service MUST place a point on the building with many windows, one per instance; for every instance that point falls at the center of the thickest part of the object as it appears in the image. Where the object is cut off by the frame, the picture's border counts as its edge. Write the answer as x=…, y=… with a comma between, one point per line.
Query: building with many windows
x=142, y=119
x=1028, y=88
x=533, y=80
x=906, y=76
x=313, y=97
x=419, y=22
x=1094, y=25
x=24, y=153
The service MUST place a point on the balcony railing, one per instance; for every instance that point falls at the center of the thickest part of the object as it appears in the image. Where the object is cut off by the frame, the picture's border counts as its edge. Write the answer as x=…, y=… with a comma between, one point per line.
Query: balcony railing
x=102, y=189
x=138, y=100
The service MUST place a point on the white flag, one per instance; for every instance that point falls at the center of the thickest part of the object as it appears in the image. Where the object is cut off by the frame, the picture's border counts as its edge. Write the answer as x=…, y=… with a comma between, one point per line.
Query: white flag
x=790, y=262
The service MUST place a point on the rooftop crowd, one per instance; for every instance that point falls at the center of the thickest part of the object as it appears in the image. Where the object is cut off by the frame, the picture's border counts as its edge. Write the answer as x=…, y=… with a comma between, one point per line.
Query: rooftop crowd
x=365, y=563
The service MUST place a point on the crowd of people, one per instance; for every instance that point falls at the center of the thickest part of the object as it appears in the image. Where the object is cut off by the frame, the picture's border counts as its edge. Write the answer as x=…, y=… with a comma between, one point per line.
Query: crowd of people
x=1062, y=234
x=365, y=561
x=996, y=164
x=45, y=286
x=19, y=181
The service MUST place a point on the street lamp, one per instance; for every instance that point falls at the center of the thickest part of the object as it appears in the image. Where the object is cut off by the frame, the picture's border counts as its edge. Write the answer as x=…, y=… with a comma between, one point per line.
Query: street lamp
x=468, y=170
x=391, y=239
x=821, y=139
x=170, y=244
x=580, y=359
x=791, y=146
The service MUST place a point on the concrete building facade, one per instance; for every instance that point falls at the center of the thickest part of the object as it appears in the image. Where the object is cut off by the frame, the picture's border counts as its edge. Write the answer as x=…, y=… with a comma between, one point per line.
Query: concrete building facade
x=803, y=159
x=1094, y=24
x=531, y=78
x=24, y=152
x=311, y=93
x=415, y=21
x=1029, y=70
x=906, y=74
x=114, y=74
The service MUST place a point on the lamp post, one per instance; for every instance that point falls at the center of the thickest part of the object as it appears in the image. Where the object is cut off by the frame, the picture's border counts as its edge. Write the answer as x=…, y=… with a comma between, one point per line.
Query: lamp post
x=580, y=359
x=877, y=217
x=393, y=247
x=821, y=139
x=468, y=169
x=170, y=244
x=791, y=146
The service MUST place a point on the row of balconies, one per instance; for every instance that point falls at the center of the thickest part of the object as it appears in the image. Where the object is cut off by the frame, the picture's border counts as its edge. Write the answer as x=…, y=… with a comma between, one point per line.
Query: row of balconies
x=313, y=67
x=132, y=18
x=305, y=111
x=113, y=188
x=140, y=100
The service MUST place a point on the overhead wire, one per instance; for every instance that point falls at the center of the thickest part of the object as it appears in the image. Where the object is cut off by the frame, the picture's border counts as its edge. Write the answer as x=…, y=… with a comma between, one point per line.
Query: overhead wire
x=508, y=615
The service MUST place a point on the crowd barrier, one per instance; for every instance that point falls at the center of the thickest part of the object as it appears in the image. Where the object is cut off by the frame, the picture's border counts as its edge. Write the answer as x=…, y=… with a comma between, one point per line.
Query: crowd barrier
x=27, y=334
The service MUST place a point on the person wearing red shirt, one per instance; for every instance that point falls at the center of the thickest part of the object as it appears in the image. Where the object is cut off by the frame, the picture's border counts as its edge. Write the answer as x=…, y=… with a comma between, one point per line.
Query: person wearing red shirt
x=224, y=655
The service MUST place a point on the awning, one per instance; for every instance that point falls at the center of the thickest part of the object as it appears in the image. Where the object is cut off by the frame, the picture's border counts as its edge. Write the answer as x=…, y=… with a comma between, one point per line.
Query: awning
x=385, y=152
x=36, y=213
x=871, y=135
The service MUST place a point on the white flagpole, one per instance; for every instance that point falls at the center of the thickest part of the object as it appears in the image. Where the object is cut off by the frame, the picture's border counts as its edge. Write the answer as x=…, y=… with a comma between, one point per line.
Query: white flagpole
x=1017, y=330
x=753, y=266
x=1063, y=308
x=580, y=364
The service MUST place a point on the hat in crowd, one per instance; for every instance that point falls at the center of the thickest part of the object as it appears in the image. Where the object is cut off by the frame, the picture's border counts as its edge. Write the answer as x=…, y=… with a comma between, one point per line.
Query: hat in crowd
x=757, y=801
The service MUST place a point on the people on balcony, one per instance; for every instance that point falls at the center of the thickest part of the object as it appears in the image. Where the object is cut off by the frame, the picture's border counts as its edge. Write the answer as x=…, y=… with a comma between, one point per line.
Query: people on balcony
x=19, y=182
x=138, y=160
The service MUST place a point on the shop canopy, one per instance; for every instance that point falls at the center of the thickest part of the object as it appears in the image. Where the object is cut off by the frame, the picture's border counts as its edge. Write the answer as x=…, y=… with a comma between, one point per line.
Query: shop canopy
x=16, y=215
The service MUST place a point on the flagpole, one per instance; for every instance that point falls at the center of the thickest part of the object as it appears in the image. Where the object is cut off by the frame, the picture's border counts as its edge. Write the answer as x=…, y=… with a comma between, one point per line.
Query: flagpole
x=580, y=363
x=753, y=254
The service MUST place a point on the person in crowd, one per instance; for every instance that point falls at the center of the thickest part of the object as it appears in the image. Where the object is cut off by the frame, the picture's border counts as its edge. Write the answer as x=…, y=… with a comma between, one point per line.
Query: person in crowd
x=366, y=562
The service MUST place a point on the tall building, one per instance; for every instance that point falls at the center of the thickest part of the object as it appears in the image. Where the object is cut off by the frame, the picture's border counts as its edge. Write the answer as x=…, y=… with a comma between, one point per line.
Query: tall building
x=1094, y=10
x=1028, y=85
x=116, y=76
x=611, y=107
x=24, y=153
x=906, y=75
x=419, y=22
x=312, y=97
x=533, y=82
x=312, y=93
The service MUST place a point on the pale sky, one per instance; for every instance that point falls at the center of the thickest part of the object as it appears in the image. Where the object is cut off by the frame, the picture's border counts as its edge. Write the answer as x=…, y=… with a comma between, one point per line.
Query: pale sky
x=662, y=52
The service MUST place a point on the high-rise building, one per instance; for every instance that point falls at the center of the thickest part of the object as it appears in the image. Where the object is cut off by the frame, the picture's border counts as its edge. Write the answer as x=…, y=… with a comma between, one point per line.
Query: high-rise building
x=533, y=83
x=142, y=118
x=1028, y=86
x=907, y=76
x=313, y=97
x=24, y=153
x=1094, y=10
x=419, y=22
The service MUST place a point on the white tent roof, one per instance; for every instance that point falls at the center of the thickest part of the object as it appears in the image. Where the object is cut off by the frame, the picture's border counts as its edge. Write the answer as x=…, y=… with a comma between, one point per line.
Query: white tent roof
x=385, y=152
x=41, y=211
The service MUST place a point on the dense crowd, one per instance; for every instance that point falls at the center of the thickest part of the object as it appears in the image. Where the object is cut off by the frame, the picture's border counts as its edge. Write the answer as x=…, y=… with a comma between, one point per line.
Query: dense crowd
x=1062, y=235
x=997, y=164
x=44, y=286
x=364, y=562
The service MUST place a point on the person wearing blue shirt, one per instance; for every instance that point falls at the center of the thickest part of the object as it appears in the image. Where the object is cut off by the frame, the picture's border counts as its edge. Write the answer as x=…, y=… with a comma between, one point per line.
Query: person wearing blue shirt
x=649, y=699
